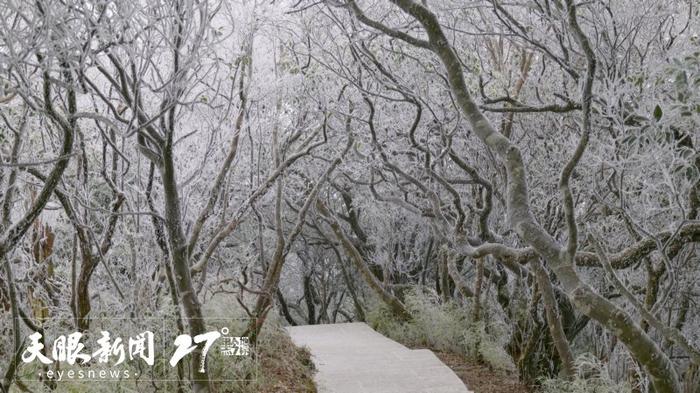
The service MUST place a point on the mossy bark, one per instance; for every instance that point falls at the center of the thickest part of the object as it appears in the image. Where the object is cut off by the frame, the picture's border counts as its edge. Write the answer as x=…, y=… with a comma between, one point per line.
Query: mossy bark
x=656, y=363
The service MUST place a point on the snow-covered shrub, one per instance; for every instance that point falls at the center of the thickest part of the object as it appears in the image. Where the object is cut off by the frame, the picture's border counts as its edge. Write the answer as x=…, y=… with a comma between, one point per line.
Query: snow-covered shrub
x=592, y=377
x=443, y=327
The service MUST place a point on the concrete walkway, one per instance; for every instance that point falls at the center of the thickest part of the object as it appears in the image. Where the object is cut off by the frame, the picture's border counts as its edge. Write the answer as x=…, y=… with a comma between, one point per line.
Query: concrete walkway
x=353, y=358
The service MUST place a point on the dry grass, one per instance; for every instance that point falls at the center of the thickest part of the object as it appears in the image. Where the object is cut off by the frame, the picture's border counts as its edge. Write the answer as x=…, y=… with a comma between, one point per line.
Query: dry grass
x=481, y=378
x=286, y=368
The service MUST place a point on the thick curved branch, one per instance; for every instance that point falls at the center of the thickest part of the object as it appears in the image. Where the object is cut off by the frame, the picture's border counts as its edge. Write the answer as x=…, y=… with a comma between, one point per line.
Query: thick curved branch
x=385, y=29
x=657, y=364
x=586, y=98
x=671, y=334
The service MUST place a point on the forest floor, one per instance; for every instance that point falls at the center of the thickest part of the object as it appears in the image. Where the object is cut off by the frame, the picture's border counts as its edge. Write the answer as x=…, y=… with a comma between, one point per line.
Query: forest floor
x=481, y=378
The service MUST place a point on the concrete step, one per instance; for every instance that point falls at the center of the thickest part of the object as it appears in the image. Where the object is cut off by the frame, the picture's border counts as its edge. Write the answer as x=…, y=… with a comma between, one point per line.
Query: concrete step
x=353, y=358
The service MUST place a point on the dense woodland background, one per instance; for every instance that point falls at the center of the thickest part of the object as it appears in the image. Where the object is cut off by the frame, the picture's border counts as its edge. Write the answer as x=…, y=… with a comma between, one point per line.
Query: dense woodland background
x=517, y=182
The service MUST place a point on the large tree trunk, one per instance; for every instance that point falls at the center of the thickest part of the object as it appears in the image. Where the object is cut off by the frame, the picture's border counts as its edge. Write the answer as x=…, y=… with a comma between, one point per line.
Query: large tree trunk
x=181, y=268
x=82, y=293
x=553, y=320
x=456, y=276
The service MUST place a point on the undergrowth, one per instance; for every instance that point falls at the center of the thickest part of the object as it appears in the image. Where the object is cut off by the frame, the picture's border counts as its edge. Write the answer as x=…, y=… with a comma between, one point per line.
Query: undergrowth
x=444, y=327
x=592, y=377
x=448, y=327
